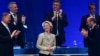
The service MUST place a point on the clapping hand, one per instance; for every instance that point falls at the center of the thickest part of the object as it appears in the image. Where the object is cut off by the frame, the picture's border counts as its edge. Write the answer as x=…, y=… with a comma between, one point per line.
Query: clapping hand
x=54, y=15
x=60, y=13
x=23, y=19
x=84, y=33
x=13, y=33
x=17, y=33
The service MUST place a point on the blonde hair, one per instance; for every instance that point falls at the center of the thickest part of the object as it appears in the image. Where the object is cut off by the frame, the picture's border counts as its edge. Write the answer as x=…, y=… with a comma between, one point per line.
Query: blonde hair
x=48, y=23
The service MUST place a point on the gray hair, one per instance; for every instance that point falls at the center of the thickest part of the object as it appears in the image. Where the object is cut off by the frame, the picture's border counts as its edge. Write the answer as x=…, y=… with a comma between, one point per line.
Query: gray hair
x=10, y=4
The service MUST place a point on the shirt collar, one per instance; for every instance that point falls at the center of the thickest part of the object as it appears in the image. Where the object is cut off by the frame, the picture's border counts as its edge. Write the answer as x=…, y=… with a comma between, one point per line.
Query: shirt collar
x=3, y=23
x=11, y=13
x=92, y=14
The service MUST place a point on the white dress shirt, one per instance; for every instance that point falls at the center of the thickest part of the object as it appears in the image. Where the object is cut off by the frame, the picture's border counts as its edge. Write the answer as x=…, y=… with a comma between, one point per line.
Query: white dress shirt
x=15, y=20
x=14, y=17
x=92, y=15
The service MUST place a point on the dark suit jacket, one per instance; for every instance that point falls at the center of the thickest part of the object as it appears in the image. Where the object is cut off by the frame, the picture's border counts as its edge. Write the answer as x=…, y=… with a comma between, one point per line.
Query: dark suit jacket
x=19, y=26
x=83, y=25
x=6, y=47
x=94, y=41
x=62, y=22
x=94, y=36
x=83, y=21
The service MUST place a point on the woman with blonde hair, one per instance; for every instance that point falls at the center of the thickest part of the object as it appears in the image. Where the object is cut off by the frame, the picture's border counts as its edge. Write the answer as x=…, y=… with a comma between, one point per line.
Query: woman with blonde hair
x=46, y=42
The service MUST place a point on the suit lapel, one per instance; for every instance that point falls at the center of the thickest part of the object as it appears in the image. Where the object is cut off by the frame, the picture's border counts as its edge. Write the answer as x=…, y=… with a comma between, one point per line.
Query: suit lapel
x=5, y=28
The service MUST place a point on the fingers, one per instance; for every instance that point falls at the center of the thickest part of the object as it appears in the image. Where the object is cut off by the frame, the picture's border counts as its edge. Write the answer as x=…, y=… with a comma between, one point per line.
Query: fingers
x=23, y=19
x=84, y=33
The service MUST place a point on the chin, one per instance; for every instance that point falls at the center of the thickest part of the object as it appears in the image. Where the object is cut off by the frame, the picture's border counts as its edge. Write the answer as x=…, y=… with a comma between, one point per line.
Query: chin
x=46, y=30
x=8, y=22
x=15, y=11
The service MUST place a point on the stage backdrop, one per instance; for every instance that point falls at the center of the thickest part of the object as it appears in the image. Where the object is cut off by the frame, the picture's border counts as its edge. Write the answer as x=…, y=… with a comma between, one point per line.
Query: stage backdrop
x=35, y=10
x=99, y=7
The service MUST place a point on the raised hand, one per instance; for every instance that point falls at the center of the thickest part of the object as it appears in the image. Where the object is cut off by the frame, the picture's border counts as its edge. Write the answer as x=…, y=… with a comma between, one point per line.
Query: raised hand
x=13, y=33
x=54, y=15
x=60, y=13
x=84, y=33
x=23, y=19
x=17, y=33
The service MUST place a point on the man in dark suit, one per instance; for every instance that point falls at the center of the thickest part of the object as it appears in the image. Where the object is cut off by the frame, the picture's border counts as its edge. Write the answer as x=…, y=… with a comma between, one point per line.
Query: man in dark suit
x=93, y=37
x=58, y=19
x=18, y=23
x=92, y=13
x=6, y=36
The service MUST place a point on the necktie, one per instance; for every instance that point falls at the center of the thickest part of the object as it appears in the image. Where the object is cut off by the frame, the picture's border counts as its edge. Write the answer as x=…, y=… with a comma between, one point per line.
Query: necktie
x=15, y=18
x=57, y=33
x=15, y=14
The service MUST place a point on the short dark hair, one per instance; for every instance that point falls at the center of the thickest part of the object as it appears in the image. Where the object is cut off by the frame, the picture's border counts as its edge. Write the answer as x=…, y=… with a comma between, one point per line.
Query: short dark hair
x=93, y=20
x=58, y=1
x=91, y=4
x=5, y=14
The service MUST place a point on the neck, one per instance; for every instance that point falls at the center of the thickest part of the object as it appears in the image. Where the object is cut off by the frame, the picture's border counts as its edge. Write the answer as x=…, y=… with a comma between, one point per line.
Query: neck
x=12, y=11
x=47, y=32
x=4, y=22
x=56, y=10
x=92, y=13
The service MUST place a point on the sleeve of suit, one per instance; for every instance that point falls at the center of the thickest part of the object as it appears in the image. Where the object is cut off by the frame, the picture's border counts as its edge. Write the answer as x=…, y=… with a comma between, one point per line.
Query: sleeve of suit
x=83, y=23
x=25, y=25
x=64, y=20
x=54, y=43
x=97, y=36
x=4, y=38
x=99, y=21
x=39, y=42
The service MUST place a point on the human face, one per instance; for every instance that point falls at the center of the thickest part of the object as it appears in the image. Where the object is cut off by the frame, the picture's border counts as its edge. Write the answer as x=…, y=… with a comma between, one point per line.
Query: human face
x=13, y=8
x=56, y=6
x=7, y=19
x=46, y=27
x=92, y=9
x=89, y=23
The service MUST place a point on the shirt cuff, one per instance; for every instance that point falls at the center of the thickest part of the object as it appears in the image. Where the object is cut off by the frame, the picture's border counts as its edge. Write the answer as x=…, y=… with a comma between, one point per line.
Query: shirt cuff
x=25, y=26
